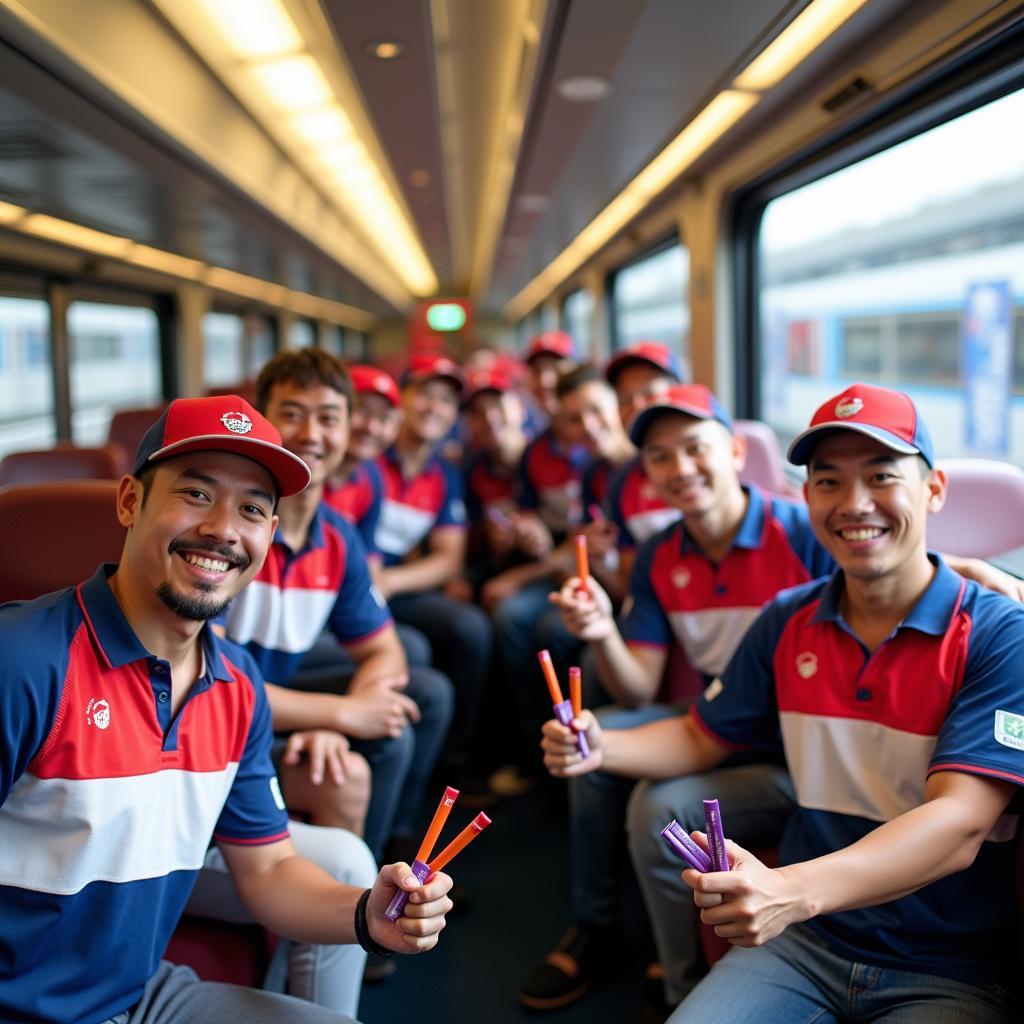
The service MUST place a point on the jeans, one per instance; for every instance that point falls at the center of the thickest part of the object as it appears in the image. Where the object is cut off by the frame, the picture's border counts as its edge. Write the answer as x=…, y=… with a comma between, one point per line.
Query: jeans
x=524, y=624
x=797, y=979
x=756, y=801
x=460, y=641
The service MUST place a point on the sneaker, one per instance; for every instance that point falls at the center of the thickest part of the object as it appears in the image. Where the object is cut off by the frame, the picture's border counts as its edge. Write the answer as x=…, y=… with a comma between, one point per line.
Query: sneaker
x=653, y=1008
x=569, y=970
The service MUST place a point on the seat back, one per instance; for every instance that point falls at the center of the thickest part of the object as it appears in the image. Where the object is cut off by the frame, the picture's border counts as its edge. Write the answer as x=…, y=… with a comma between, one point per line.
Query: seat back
x=764, y=465
x=984, y=510
x=65, y=462
x=56, y=533
x=128, y=425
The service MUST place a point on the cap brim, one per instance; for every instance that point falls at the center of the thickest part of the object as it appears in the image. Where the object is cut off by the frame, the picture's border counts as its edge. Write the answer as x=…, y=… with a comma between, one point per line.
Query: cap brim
x=289, y=471
x=614, y=367
x=639, y=423
x=422, y=378
x=800, y=448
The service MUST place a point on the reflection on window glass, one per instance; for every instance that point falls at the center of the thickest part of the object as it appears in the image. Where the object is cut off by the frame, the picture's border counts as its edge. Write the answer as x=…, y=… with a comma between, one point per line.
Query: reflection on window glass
x=115, y=364
x=26, y=387
x=906, y=268
x=577, y=317
x=333, y=340
x=649, y=301
x=224, y=360
x=301, y=335
x=259, y=339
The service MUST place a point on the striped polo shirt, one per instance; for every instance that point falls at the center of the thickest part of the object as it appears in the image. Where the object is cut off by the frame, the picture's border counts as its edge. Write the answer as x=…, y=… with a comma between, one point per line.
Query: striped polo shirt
x=359, y=500
x=107, y=803
x=550, y=481
x=634, y=506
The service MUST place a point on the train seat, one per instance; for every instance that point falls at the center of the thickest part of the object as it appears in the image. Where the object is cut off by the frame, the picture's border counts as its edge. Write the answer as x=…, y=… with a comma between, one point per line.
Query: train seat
x=764, y=459
x=128, y=425
x=244, y=389
x=65, y=462
x=984, y=511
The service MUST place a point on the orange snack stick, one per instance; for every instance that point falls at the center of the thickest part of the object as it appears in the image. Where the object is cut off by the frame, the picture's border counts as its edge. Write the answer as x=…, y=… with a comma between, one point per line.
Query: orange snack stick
x=462, y=840
x=582, y=563
x=576, y=691
x=548, y=668
x=437, y=823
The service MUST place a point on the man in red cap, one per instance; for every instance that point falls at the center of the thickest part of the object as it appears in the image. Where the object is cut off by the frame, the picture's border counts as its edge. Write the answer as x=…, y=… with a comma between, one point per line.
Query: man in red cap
x=130, y=733
x=547, y=355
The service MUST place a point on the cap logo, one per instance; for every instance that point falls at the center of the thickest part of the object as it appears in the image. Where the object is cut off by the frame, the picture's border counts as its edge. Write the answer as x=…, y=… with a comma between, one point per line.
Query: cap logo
x=847, y=407
x=681, y=578
x=807, y=664
x=237, y=422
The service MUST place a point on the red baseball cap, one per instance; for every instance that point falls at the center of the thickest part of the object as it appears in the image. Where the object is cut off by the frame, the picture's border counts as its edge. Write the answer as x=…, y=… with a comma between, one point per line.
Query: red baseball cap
x=428, y=365
x=886, y=415
x=480, y=381
x=372, y=380
x=693, y=399
x=225, y=423
x=661, y=357
x=554, y=343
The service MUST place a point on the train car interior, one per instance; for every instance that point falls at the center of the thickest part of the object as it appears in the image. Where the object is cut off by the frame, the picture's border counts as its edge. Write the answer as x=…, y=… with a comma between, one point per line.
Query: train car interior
x=777, y=200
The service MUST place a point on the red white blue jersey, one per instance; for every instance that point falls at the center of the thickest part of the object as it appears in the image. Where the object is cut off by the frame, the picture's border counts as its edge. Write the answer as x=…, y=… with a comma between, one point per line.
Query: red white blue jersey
x=550, y=482
x=597, y=474
x=635, y=507
x=862, y=731
x=107, y=803
x=488, y=483
x=413, y=507
x=678, y=593
x=296, y=595
x=359, y=500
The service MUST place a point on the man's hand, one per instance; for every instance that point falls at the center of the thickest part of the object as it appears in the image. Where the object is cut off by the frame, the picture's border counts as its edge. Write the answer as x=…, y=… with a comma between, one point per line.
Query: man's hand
x=749, y=905
x=423, y=917
x=587, y=615
x=533, y=538
x=561, y=755
x=602, y=538
x=324, y=749
x=377, y=710
x=989, y=577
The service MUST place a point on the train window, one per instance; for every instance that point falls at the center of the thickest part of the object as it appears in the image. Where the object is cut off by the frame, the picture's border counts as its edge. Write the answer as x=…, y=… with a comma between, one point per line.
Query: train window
x=905, y=268
x=301, y=335
x=26, y=375
x=649, y=300
x=224, y=361
x=114, y=363
x=333, y=340
x=259, y=341
x=577, y=317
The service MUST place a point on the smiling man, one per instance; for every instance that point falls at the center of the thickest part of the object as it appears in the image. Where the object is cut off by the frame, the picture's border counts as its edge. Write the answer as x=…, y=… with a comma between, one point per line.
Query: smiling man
x=893, y=690
x=130, y=733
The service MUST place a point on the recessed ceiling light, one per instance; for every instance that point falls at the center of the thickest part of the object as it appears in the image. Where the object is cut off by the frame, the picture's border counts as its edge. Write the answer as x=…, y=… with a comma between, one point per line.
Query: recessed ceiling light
x=384, y=49
x=419, y=178
x=584, y=88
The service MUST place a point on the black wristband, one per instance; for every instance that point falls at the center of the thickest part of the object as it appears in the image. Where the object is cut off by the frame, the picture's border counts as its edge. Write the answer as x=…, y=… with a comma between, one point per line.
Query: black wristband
x=363, y=936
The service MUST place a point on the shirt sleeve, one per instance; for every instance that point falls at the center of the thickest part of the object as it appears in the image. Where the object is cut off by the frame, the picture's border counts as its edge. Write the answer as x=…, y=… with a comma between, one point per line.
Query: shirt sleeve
x=797, y=524
x=645, y=622
x=613, y=504
x=453, y=508
x=740, y=708
x=360, y=609
x=983, y=732
x=528, y=497
x=367, y=524
x=254, y=812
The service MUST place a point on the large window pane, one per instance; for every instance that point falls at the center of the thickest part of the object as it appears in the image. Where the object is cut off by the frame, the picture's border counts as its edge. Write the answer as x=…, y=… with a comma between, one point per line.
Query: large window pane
x=578, y=316
x=649, y=301
x=26, y=388
x=906, y=268
x=115, y=364
x=223, y=350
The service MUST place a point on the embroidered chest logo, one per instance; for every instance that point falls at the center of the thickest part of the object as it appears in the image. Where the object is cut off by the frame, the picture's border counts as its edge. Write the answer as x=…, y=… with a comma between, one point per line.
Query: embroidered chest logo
x=237, y=422
x=847, y=407
x=647, y=492
x=806, y=664
x=681, y=578
x=1009, y=729
x=97, y=712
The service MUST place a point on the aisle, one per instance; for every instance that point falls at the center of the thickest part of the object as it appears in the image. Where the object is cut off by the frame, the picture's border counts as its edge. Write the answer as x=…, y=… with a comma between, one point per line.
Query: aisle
x=517, y=877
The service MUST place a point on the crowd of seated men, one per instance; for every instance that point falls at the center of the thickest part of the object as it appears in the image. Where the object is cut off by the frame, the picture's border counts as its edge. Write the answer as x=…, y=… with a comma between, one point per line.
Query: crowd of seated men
x=410, y=586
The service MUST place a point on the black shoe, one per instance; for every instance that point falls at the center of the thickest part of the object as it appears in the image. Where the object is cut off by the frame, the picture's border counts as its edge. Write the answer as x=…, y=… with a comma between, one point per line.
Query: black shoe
x=568, y=971
x=653, y=1008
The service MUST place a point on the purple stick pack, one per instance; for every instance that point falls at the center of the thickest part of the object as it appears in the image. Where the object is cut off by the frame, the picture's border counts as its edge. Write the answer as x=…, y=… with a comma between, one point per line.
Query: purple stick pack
x=397, y=904
x=716, y=836
x=682, y=852
x=563, y=712
x=698, y=854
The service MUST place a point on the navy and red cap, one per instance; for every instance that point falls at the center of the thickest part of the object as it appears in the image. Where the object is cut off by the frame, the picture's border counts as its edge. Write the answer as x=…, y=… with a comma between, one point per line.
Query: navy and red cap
x=482, y=380
x=426, y=366
x=372, y=380
x=224, y=423
x=651, y=352
x=551, y=343
x=693, y=399
x=886, y=415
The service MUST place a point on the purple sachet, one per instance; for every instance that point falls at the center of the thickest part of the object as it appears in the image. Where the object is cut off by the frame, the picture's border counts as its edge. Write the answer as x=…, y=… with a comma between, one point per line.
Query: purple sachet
x=716, y=836
x=563, y=712
x=684, y=847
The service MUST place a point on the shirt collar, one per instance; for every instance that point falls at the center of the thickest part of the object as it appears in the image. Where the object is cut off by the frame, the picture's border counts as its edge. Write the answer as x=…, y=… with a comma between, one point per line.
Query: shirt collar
x=931, y=614
x=115, y=637
x=750, y=535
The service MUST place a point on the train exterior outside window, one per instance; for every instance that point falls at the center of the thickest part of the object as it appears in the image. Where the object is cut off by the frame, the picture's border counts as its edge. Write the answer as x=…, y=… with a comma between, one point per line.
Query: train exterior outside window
x=26, y=389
